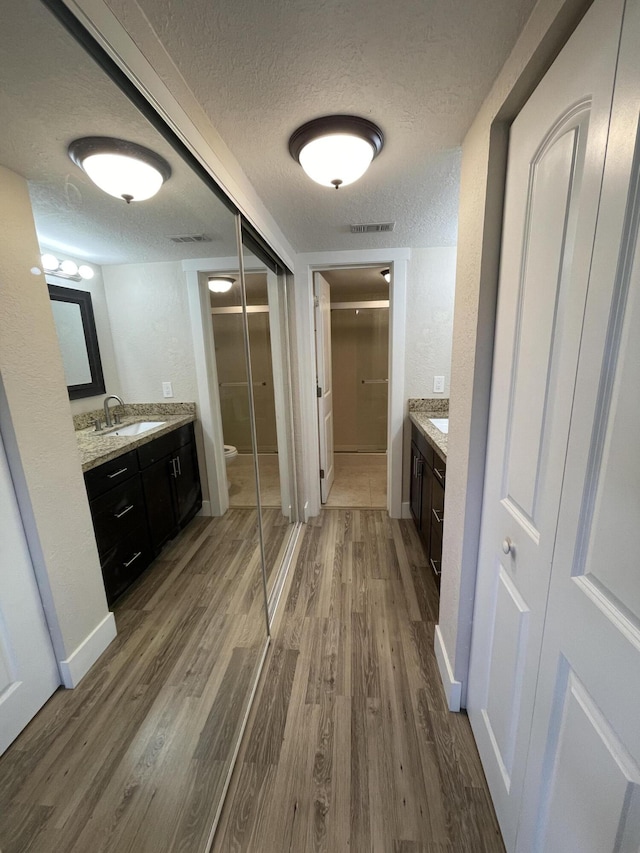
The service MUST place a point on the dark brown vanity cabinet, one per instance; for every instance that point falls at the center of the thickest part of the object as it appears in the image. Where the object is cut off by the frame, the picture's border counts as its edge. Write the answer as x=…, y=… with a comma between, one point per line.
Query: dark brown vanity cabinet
x=119, y=521
x=140, y=500
x=426, y=497
x=171, y=483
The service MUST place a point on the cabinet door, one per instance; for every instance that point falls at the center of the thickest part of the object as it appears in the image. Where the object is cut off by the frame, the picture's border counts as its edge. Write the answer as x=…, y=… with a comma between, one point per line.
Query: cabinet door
x=187, y=484
x=158, y=493
x=415, y=490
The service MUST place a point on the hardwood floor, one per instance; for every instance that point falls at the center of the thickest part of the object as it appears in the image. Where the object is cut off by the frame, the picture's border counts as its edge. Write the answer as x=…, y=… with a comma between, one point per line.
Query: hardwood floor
x=135, y=758
x=350, y=746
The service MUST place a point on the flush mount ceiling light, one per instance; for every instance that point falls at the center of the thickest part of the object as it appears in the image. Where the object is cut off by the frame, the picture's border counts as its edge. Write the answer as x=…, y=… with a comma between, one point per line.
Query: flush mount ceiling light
x=220, y=283
x=122, y=169
x=386, y=275
x=336, y=150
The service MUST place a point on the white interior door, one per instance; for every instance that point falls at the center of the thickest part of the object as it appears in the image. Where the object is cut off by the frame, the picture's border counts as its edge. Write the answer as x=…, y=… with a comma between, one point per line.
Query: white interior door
x=582, y=791
x=28, y=670
x=325, y=385
x=556, y=159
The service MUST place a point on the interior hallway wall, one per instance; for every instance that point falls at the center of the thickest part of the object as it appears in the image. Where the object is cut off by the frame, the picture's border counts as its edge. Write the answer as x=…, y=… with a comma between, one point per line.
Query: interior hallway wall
x=431, y=280
x=151, y=330
x=42, y=449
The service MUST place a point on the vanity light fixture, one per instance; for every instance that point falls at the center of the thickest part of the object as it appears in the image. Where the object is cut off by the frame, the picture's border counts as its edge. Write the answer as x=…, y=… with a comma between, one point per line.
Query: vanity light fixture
x=122, y=169
x=66, y=269
x=220, y=283
x=336, y=150
x=386, y=275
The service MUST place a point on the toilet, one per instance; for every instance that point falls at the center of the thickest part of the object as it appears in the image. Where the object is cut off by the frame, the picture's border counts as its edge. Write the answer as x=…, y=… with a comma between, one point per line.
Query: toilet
x=230, y=453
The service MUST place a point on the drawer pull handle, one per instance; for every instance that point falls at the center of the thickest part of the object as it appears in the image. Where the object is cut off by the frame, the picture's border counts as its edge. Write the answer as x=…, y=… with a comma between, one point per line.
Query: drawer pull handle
x=135, y=557
x=439, y=474
x=174, y=473
x=117, y=473
x=433, y=566
x=124, y=511
x=179, y=466
x=439, y=518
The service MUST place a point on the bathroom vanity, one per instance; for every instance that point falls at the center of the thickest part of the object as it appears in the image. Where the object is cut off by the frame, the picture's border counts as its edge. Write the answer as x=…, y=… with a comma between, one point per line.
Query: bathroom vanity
x=427, y=483
x=146, y=490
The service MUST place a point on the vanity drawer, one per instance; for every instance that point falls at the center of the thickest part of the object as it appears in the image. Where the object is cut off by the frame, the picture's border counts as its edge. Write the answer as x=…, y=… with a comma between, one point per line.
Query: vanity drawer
x=123, y=562
x=99, y=480
x=437, y=505
x=117, y=513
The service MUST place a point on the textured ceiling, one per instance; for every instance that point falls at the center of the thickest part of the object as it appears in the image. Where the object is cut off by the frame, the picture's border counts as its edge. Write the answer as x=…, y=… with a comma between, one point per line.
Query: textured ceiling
x=52, y=93
x=418, y=68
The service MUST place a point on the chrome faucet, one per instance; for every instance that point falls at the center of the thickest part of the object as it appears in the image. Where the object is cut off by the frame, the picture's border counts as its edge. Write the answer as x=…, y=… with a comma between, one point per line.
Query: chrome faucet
x=107, y=411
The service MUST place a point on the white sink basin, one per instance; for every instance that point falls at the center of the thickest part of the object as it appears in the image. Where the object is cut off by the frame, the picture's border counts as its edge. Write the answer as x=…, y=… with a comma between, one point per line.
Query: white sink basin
x=134, y=429
x=441, y=423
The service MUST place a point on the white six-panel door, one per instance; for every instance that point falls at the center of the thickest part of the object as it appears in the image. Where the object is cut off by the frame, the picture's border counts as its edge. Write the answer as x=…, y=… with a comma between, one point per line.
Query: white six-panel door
x=28, y=670
x=556, y=159
x=582, y=791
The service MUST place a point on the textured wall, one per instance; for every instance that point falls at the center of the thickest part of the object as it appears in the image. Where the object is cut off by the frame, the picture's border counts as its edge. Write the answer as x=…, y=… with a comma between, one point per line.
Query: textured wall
x=38, y=434
x=430, y=294
x=483, y=168
x=151, y=330
x=430, y=291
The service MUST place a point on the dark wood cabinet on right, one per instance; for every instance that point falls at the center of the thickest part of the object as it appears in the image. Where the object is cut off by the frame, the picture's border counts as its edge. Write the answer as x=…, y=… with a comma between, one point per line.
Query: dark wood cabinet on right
x=426, y=495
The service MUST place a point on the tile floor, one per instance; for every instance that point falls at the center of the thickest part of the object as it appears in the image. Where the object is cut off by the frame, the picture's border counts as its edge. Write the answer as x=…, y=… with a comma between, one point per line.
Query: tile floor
x=360, y=481
x=242, y=486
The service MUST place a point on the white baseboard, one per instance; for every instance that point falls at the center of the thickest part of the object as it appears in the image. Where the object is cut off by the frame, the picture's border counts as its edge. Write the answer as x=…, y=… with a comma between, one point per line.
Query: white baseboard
x=452, y=688
x=206, y=509
x=406, y=509
x=78, y=664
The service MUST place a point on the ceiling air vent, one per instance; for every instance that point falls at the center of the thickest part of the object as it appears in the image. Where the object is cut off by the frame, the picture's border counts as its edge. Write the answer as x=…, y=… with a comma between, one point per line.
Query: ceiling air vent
x=373, y=228
x=192, y=238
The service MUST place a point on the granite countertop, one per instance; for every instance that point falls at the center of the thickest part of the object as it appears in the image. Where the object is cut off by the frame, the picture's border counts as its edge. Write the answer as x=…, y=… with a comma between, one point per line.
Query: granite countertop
x=95, y=448
x=436, y=438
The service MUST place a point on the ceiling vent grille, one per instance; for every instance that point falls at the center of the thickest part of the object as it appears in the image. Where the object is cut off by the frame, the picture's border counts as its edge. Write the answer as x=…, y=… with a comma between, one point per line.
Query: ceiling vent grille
x=373, y=228
x=192, y=238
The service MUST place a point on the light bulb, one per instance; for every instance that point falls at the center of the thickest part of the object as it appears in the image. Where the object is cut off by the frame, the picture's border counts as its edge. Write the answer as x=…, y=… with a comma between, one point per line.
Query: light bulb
x=86, y=271
x=69, y=267
x=49, y=262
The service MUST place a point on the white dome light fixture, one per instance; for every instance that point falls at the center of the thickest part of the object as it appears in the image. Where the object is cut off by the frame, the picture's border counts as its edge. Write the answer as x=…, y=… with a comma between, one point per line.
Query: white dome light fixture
x=336, y=150
x=220, y=283
x=121, y=169
x=386, y=275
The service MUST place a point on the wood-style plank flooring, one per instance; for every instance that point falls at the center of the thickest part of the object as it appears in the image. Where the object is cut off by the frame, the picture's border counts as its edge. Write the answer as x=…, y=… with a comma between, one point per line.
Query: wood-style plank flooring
x=135, y=758
x=350, y=746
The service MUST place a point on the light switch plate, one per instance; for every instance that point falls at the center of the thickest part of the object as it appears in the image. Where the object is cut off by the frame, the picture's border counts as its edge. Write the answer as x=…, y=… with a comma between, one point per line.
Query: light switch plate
x=167, y=390
x=438, y=384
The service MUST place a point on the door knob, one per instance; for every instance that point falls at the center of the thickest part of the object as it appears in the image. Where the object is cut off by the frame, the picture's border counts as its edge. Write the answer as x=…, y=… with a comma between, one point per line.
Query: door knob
x=508, y=546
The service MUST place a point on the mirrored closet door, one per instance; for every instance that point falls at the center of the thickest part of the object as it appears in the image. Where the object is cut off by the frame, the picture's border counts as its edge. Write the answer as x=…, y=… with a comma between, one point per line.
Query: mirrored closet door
x=139, y=754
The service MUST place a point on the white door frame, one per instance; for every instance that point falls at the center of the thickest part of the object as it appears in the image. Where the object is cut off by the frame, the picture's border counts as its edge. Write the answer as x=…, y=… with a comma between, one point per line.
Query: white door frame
x=306, y=265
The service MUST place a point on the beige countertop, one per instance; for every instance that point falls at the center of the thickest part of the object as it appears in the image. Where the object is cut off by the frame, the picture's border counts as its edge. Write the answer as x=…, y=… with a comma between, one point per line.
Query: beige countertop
x=98, y=447
x=436, y=438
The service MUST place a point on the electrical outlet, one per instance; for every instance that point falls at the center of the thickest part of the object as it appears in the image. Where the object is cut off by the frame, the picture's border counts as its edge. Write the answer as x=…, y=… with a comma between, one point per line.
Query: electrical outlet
x=167, y=390
x=438, y=384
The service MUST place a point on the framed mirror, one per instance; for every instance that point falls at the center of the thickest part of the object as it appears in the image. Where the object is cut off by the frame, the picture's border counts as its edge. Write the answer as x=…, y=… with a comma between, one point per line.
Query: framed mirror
x=76, y=328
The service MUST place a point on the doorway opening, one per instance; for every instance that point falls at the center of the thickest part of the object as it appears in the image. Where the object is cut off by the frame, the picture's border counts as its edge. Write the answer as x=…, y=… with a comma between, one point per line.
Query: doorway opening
x=352, y=367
